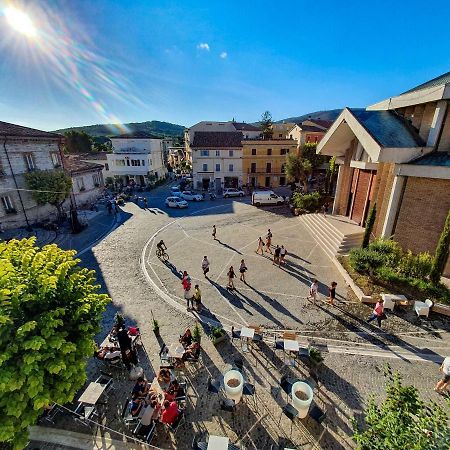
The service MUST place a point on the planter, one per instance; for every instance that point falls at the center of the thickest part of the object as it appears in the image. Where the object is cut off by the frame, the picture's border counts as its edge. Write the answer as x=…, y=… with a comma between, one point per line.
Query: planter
x=233, y=391
x=302, y=396
x=219, y=339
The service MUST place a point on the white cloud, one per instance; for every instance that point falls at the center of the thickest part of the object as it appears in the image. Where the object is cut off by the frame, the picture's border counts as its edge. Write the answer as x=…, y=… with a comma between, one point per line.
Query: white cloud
x=223, y=55
x=203, y=46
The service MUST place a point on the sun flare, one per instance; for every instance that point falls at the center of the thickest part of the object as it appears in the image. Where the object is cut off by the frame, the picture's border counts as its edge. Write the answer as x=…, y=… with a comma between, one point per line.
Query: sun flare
x=20, y=21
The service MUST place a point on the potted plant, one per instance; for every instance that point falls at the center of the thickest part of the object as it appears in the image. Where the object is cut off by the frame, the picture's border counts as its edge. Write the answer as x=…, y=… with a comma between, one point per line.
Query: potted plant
x=120, y=321
x=315, y=356
x=197, y=333
x=217, y=334
x=156, y=328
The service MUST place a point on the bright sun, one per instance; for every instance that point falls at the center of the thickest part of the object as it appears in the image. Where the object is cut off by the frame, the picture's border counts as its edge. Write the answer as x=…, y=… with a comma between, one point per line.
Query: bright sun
x=20, y=21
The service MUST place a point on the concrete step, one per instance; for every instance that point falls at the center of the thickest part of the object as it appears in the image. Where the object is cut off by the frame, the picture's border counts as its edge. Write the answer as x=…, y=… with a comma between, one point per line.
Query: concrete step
x=332, y=240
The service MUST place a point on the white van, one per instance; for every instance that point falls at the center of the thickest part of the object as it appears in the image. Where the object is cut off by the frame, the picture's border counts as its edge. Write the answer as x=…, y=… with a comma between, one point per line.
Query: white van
x=266, y=198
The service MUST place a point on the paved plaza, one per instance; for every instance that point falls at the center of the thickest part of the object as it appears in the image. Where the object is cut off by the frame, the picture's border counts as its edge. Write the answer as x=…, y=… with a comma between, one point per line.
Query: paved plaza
x=355, y=352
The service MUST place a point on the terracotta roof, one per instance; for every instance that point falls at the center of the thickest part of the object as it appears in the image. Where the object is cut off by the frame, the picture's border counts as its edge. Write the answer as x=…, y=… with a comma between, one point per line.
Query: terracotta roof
x=136, y=135
x=99, y=156
x=322, y=123
x=10, y=129
x=312, y=129
x=217, y=139
x=242, y=126
x=438, y=81
x=74, y=164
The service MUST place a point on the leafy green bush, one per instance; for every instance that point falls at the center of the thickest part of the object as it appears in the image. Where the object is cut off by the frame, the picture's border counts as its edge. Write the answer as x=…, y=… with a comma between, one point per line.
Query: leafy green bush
x=365, y=260
x=389, y=250
x=415, y=266
x=307, y=202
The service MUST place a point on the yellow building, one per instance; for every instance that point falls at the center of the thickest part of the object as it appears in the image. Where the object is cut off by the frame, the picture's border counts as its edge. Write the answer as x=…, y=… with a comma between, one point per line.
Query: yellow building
x=263, y=161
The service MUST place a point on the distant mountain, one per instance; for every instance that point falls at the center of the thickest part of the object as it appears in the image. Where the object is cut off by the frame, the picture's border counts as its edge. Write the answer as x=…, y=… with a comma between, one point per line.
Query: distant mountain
x=330, y=114
x=165, y=129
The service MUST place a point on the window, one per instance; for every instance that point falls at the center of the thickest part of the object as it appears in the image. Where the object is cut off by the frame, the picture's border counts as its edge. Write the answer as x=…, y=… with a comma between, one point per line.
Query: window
x=253, y=151
x=316, y=139
x=253, y=168
x=97, y=179
x=135, y=162
x=280, y=135
x=217, y=152
x=267, y=182
x=269, y=167
x=269, y=151
x=80, y=183
x=120, y=162
x=283, y=166
x=128, y=162
x=106, y=166
x=7, y=204
x=55, y=159
x=29, y=161
x=230, y=152
x=204, y=152
x=143, y=162
x=282, y=181
x=205, y=167
x=284, y=151
x=230, y=166
x=217, y=167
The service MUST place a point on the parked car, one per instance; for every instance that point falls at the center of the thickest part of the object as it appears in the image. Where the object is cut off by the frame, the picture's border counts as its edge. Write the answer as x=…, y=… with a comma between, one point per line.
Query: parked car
x=176, y=202
x=189, y=195
x=232, y=192
x=175, y=191
x=266, y=198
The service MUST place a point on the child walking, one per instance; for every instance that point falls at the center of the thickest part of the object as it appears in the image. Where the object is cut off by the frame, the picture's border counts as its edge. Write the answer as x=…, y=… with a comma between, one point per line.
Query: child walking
x=260, y=246
x=231, y=276
x=242, y=270
x=332, y=293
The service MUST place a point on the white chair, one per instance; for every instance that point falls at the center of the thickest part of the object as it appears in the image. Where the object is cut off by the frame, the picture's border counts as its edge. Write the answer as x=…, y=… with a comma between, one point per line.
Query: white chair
x=388, y=303
x=423, y=308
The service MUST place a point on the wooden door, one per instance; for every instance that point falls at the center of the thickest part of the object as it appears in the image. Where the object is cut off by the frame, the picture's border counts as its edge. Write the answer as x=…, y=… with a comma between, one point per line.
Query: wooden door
x=360, y=186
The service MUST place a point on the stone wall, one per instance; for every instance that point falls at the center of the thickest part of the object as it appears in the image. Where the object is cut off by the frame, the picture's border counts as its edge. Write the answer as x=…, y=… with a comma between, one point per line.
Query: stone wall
x=424, y=208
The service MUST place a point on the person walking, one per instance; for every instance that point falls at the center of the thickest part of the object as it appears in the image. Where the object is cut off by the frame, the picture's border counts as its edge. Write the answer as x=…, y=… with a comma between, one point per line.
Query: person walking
x=145, y=203
x=109, y=206
x=378, y=313
x=276, y=256
x=443, y=383
x=242, y=270
x=214, y=231
x=197, y=298
x=332, y=293
x=283, y=254
x=269, y=241
x=260, y=246
x=313, y=291
x=205, y=266
x=231, y=276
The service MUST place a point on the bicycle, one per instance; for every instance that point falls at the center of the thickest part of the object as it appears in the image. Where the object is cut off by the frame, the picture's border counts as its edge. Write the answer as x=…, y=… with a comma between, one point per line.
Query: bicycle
x=162, y=254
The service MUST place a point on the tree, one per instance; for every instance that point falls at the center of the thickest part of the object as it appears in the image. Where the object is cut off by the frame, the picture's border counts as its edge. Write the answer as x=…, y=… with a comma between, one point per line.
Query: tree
x=77, y=142
x=49, y=186
x=402, y=421
x=266, y=125
x=308, y=152
x=102, y=146
x=298, y=169
x=370, y=222
x=49, y=313
x=441, y=255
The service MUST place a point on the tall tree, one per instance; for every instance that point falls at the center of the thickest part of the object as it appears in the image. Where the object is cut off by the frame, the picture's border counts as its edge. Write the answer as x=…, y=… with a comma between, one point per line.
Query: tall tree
x=49, y=313
x=266, y=125
x=77, y=142
x=370, y=222
x=298, y=169
x=49, y=186
x=442, y=251
x=402, y=421
x=308, y=152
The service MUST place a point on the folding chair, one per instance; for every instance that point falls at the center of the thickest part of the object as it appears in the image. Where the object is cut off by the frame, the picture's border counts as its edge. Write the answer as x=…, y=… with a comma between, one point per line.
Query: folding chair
x=214, y=385
x=227, y=404
x=146, y=431
x=83, y=414
x=50, y=413
x=127, y=418
x=235, y=334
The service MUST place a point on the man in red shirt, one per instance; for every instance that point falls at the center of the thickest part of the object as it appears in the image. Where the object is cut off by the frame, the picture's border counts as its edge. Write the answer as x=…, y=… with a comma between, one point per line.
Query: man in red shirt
x=170, y=412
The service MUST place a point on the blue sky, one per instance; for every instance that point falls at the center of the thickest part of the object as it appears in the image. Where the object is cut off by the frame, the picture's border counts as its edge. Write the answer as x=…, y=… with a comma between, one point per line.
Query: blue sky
x=187, y=61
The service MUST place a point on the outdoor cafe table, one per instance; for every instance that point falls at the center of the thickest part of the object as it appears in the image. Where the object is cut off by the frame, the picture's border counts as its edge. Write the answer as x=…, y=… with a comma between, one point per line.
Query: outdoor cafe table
x=155, y=386
x=176, y=350
x=291, y=346
x=218, y=443
x=248, y=333
x=92, y=393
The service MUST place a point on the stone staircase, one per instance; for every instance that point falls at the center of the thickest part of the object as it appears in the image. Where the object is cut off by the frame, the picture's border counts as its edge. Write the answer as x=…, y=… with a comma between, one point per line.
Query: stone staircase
x=335, y=234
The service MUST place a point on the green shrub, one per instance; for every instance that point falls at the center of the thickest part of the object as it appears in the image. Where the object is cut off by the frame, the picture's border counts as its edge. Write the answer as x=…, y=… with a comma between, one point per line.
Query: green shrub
x=308, y=202
x=365, y=261
x=415, y=266
x=441, y=255
x=389, y=250
x=369, y=226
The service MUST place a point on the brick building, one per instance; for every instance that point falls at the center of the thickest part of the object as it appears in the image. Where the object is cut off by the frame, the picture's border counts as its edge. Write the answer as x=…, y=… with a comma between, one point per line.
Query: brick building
x=396, y=154
x=23, y=150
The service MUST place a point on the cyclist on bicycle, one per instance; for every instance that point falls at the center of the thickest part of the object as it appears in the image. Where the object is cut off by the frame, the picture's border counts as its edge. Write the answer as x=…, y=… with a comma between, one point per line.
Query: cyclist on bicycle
x=161, y=246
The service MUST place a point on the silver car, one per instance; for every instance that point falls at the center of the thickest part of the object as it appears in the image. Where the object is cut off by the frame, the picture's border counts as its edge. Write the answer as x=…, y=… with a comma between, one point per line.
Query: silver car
x=232, y=192
x=176, y=202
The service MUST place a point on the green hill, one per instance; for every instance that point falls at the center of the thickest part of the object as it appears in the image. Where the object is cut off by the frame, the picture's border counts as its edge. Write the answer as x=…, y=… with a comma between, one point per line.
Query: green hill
x=330, y=114
x=163, y=129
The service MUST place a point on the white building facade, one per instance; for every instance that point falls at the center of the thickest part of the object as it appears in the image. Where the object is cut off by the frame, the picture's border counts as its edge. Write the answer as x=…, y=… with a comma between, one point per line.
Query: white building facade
x=138, y=158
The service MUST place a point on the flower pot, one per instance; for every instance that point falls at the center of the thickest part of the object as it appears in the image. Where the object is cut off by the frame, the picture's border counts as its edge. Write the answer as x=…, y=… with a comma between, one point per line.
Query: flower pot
x=233, y=385
x=217, y=340
x=302, y=396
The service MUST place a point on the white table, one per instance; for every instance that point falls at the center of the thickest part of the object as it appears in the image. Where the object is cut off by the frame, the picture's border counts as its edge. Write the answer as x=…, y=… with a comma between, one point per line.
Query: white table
x=218, y=443
x=391, y=299
x=248, y=333
x=291, y=346
x=176, y=350
x=92, y=393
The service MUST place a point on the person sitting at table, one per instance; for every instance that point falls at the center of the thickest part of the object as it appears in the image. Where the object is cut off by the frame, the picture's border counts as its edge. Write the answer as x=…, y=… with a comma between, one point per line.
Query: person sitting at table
x=174, y=391
x=141, y=387
x=192, y=352
x=135, y=405
x=170, y=412
x=164, y=375
x=186, y=338
x=107, y=353
x=151, y=412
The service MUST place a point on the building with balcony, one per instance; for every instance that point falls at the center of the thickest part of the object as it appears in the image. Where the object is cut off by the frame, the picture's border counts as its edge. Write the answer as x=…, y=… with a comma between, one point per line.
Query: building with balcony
x=263, y=161
x=309, y=131
x=138, y=158
x=396, y=154
x=23, y=150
